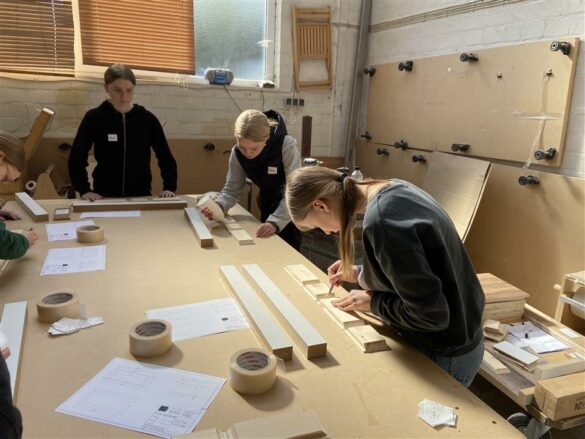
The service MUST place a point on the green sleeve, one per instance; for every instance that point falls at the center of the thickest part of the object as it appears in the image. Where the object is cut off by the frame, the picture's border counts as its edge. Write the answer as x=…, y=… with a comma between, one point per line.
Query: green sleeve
x=12, y=245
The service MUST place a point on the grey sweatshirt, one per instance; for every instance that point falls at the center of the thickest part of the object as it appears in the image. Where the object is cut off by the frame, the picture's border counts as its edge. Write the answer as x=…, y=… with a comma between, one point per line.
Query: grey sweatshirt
x=236, y=180
x=422, y=280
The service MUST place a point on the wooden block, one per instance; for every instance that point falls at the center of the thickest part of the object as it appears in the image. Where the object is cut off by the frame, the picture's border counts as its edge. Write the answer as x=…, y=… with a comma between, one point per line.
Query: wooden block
x=285, y=426
x=343, y=319
x=527, y=396
x=498, y=290
x=302, y=274
x=318, y=291
x=62, y=213
x=313, y=343
x=493, y=363
x=233, y=226
x=300, y=425
x=33, y=208
x=35, y=135
x=199, y=228
x=229, y=219
x=242, y=237
x=118, y=205
x=524, y=358
x=277, y=341
x=12, y=325
x=368, y=339
x=560, y=368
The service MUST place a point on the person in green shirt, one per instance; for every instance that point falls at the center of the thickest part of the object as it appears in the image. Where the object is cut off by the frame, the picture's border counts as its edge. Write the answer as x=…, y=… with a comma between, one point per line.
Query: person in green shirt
x=14, y=245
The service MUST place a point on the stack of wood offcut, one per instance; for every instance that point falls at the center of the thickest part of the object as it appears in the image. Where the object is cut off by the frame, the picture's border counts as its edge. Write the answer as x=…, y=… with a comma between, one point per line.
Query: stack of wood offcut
x=494, y=330
x=503, y=301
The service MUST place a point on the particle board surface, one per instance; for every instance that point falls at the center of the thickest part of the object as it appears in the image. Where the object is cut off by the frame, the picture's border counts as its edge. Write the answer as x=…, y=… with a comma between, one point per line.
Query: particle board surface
x=276, y=339
x=531, y=236
x=457, y=184
x=493, y=104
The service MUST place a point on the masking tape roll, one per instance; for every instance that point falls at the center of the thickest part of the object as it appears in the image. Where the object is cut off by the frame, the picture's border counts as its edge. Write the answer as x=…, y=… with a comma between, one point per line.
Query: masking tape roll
x=90, y=234
x=150, y=338
x=30, y=185
x=252, y=371
x=54, y=306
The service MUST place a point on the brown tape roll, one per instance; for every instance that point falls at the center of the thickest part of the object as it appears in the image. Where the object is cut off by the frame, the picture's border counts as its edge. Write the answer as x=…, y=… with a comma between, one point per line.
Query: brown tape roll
x=89, y=234
x=150, y=338
x=252, y=371
x=54, y=306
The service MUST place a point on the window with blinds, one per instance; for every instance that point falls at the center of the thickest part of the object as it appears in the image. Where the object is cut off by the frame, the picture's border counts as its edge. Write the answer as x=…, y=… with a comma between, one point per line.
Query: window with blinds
x=149, y=35
x=36, y=36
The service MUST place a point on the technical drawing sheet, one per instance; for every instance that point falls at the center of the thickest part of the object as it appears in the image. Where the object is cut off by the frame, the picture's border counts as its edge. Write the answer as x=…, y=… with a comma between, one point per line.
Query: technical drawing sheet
x=65, y=231
x=152, y=399
x=200, y=319
x=75, y=260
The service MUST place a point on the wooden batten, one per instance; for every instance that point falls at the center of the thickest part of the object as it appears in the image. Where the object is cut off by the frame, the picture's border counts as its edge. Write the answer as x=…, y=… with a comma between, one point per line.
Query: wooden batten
x=343, y=319
x=33, y=208
x=120, y=205
x=302, y=274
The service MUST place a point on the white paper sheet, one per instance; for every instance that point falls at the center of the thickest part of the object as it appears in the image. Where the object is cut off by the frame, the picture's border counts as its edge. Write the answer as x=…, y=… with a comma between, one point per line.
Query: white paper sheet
x=69, y=326
x=75, y=260
x=436, y=414
x=112, y=214
x=199, y=319
x=65, y=231
x=152, y=399
x=527, y=334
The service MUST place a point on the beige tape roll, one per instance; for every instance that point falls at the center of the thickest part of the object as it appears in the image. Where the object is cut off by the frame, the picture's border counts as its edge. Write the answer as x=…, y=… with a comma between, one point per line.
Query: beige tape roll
x=252, y=371
x=54, y=306
x=150, y=338
x=90, y=234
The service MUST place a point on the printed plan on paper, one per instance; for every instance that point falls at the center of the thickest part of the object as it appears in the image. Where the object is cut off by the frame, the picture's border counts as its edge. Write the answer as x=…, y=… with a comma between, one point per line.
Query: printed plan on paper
x=152, y=399
x=75, y=260
x=199, y=319
x=65, y=231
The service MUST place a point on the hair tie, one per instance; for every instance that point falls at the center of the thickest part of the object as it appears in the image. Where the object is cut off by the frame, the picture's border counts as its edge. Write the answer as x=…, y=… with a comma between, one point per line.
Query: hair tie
x=341, y=177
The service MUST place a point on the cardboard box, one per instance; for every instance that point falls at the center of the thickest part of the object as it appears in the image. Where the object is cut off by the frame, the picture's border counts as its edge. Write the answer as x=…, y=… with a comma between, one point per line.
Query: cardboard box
x=561, y=397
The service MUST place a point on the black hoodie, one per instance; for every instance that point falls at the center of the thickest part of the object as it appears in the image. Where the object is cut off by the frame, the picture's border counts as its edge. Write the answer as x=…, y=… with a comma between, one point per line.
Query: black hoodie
x=122, y=145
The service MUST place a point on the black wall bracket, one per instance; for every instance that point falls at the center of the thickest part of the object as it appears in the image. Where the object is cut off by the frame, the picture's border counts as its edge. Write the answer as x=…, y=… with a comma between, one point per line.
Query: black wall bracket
x=419, y=158
x=209, y=147
x=382, y=151
x=530, y=179
x=402, y=144
x=463, y=147
x=370, y=71
x=563, y=46
x=367, y=136
x=468, y=57
x=545, y=155
x=406, y=65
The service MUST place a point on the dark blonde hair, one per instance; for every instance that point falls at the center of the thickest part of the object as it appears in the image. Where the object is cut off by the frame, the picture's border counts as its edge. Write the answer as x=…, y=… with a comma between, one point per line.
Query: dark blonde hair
x=253, y=125
x=119, y=71
x=306, y=185
x=13, y=150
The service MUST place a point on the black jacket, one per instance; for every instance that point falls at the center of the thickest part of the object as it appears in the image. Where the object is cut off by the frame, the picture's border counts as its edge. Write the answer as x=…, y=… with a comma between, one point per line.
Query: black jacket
x=421, y=278
x=122, y=145
x=10, y=419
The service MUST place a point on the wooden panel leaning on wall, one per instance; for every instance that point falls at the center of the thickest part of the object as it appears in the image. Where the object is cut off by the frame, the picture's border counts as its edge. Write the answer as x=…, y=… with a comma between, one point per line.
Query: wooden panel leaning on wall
x=530, y=235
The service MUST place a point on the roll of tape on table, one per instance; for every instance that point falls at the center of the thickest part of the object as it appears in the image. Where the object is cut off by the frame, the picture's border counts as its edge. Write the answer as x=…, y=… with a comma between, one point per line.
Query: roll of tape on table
x=30, y=185
x=150, y=338
x=89, y=234
x=54, y=306
x=252, y=371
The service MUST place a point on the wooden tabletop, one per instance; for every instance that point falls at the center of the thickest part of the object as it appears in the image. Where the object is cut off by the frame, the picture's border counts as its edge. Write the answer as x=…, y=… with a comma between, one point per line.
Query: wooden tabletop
x=155, y=261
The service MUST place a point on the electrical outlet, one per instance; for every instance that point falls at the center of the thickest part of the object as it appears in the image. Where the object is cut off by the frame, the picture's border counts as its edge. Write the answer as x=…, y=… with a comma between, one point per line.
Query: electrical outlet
x=294, y=102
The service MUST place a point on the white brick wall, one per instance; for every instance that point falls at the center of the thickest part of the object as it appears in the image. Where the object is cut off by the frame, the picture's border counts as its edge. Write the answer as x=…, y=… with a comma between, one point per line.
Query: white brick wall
x=518, y=23
x=207, y=111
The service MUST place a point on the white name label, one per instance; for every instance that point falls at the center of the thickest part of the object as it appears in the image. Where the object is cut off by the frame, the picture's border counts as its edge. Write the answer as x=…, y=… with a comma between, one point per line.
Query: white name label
x=112, y=137
x=272, y=170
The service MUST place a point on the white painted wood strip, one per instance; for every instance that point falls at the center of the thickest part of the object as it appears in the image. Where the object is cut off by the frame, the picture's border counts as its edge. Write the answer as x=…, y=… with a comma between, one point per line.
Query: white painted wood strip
x=12, y=325
x=343, y=319
x=315, y=344
x=521, y=355
x=273, y=335
x=198, y=225
x=557, y=369
x=33, y=208
x=115, y=205
x=302, y=274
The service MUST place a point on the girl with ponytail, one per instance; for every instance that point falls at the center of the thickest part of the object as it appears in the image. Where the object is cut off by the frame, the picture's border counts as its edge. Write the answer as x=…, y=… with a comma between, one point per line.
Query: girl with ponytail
x=416, y=275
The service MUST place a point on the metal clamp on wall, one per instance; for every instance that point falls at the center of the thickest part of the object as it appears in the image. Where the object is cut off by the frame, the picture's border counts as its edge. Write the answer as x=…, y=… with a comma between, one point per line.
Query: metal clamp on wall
x=523, y=180
x=401, y=144
x=463, y=147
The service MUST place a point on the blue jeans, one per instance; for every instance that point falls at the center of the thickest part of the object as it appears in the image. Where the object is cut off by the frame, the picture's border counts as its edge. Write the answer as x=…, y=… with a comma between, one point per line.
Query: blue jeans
x=464, y=367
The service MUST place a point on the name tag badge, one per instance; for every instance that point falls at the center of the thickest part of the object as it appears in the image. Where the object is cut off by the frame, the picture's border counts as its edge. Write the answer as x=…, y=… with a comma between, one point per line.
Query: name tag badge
x=272, y=170
x=112, y=137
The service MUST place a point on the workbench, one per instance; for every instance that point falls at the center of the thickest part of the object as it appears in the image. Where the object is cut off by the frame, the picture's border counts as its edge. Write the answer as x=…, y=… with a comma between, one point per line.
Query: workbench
x=154, y=261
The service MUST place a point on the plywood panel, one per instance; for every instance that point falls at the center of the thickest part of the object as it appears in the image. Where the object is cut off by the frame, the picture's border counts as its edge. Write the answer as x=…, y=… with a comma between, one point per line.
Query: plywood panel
x=530, y=236
x=489, y=104
x=457, y=184
x=397, y=164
